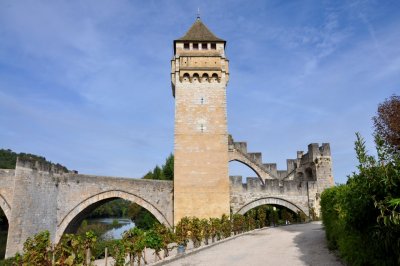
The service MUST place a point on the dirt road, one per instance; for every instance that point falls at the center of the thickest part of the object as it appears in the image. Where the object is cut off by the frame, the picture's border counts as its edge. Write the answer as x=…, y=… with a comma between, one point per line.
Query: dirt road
x=302, y=244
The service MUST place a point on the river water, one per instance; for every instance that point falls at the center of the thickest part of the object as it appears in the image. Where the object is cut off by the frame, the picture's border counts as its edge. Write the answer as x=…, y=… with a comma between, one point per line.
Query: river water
x=124, y=224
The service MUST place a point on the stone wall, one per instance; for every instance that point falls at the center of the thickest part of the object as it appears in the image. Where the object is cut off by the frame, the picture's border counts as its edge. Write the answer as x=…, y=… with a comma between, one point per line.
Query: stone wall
x=291, y=194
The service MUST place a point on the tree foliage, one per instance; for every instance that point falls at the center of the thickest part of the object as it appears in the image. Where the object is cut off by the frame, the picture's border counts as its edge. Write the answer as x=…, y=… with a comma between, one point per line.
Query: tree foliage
x=362, y=218
x=387, y=122
x=143, y=218
x=165, y=172
x=115, y=208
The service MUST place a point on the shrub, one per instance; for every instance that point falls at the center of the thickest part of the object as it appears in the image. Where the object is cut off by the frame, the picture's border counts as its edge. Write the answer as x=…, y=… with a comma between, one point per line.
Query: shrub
x=362, y=217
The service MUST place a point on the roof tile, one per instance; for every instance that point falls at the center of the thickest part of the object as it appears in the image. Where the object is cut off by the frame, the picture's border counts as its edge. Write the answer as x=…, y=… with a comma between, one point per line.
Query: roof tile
x=199, y=32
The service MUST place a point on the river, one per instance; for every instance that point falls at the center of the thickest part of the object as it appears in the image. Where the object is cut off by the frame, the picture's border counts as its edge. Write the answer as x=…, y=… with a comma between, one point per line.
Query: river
x=124, y=224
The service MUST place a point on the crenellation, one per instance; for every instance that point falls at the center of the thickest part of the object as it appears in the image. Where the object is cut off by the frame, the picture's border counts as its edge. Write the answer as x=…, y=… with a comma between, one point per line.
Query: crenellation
x=241, y=146
x=313, y=151
x=272, y=168
x=325, y=149
x=255, y=156
x=291, y=165
x=236, y=181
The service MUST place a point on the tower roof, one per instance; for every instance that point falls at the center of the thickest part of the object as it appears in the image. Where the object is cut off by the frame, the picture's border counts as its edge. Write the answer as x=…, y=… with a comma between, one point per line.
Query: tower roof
x=199, y=32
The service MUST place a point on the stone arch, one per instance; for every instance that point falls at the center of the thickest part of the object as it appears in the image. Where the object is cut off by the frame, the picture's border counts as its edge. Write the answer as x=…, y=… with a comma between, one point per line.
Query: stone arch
x=214, y=77
x=85, y=206
x=186, y=77
x=247, y=164
x=5, y=207
x=204, y=77
x=269, y=200
x=196, y=77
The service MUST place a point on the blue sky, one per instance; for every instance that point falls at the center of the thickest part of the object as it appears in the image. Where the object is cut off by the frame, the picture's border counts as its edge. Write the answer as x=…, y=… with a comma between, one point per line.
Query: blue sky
x=87, y=83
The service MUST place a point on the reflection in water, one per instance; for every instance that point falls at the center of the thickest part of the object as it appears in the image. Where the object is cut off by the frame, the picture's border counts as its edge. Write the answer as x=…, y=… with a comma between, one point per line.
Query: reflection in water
x=116, y=232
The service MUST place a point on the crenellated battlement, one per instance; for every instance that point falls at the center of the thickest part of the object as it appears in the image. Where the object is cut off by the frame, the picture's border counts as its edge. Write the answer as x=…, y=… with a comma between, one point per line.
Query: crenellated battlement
x=303, y=168
x=293, y=194
x=274, y=186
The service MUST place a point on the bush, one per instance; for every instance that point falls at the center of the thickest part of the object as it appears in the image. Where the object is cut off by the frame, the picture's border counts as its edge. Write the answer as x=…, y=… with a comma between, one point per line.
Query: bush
x=362, y=218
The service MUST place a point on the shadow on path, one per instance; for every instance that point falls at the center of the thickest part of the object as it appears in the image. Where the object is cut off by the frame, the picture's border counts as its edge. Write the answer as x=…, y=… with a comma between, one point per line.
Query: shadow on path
x=311, y=242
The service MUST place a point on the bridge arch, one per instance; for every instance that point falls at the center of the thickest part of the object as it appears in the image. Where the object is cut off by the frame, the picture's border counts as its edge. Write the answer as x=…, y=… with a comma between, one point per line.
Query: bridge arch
x=269, y=200
x=76, y=214
x=5, y=206
x=246, y=164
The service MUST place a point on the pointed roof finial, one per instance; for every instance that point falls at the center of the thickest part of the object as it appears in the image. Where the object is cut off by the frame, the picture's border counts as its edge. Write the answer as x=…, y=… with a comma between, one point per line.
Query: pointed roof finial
x=198, y=13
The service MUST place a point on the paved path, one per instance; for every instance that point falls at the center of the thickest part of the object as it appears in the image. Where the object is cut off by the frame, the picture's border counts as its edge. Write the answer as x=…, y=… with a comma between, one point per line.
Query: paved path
x=302, y=244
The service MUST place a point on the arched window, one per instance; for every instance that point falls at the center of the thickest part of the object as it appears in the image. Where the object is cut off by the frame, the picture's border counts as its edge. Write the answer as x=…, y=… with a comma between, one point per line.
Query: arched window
x=214, y=78
x=204, y=78
x=195, y=77
x=186, y=77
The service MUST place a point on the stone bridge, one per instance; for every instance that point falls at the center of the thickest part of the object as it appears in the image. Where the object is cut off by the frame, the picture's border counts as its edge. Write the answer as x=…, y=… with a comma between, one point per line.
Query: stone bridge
x=37, y=197
x=41, y=196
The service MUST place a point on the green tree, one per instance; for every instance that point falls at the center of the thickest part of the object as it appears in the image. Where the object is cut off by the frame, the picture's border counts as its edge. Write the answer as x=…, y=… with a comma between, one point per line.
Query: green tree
x=362, y=217
x=168, y=168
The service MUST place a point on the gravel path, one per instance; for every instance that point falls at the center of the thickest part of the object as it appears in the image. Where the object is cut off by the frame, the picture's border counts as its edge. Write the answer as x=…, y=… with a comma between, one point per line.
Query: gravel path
x=302, y=244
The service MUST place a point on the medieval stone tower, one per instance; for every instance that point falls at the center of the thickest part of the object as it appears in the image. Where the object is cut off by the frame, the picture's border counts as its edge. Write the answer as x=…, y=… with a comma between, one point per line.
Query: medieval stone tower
x=199, y=77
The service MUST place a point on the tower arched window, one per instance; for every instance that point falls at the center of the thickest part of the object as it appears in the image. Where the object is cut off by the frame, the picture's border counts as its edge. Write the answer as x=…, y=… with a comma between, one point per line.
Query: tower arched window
x=195, y=78
x=186, y=77
x=214, y=78
x=204, y=78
